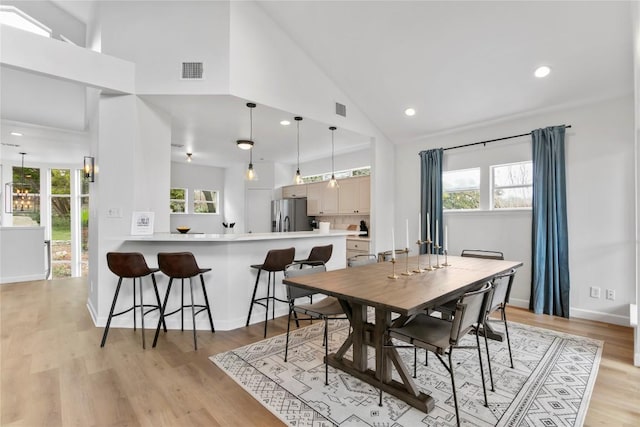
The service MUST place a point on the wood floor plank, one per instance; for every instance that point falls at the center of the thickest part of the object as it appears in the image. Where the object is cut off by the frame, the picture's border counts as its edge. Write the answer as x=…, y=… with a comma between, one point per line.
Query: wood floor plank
x=53, y=371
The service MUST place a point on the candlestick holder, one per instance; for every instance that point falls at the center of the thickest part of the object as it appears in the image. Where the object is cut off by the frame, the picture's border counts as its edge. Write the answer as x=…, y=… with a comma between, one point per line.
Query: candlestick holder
x=393, y=275
x=429, y=267
x=437, y=248
x=418, y=269
x=406, y=264
x=446, y=259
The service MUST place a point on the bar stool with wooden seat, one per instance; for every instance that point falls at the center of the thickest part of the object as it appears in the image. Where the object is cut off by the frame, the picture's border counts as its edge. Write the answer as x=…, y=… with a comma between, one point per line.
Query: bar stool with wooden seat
x=275, y=261
x=183, y=265
x=131, y=265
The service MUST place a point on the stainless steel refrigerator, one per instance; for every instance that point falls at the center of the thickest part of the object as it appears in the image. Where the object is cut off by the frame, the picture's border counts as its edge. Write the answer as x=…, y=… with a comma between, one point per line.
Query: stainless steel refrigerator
x=290, y=215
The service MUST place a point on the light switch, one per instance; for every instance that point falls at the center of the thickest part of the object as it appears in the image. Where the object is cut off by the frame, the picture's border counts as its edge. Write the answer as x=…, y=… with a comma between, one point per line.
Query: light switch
x=114, y=213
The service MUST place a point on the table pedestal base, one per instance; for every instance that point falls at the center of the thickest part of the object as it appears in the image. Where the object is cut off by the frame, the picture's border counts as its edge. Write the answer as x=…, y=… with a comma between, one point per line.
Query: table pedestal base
x=422, y=401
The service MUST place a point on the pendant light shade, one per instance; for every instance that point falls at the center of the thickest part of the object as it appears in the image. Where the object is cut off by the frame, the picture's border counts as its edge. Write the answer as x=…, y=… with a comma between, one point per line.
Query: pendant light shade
x=298, y=178
x=250, y=174
x=333, y=182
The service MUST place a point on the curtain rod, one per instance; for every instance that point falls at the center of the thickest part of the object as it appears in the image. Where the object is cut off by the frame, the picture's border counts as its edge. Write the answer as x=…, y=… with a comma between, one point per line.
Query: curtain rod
x=492, y=140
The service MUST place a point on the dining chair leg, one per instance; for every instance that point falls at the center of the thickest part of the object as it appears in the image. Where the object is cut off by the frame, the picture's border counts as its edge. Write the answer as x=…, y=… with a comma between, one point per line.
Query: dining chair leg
x=453, y=386
x=113, y=306
x=426, y=357
x=162, y=309
x=415, y=362
x=193, y=314
x=206, y=301
x=506, y=331
x=141, y=309
x=326, y=351
x=286, y=348
x=484, y=386
x=486, y=345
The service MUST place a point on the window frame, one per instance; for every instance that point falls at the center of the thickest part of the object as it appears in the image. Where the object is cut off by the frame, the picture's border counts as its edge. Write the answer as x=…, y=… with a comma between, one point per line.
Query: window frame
x=493, y=187
x=183, y=201
x=479, y=189
x=215, y=202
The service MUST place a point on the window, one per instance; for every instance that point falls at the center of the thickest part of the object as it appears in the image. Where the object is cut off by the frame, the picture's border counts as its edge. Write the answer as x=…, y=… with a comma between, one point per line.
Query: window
x=205, y=202
x=365, y=171
x=26, y=196
x=512, y=185
x=61, y=245
x=178, y=200
x=461, y=189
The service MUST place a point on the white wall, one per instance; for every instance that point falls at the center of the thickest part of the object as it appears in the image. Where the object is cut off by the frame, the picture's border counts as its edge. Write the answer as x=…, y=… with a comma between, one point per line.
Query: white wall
x=158, y=36
x=600, y=198
x=194, y=177
x=353, y=160
x=635, y=16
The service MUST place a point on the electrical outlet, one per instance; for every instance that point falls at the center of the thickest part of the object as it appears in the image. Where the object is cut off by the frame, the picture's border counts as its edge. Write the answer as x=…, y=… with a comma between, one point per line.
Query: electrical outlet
x=611, y=294
x=114, y=213
x=595, y=292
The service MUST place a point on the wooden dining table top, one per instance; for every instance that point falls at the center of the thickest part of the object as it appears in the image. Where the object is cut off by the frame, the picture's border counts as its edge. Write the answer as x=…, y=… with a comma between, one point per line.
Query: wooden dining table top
x=370, y=285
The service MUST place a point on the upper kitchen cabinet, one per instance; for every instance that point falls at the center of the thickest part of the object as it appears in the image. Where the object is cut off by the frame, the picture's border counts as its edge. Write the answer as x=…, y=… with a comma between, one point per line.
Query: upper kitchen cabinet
x=294, y=191
x=355, y=195
x=321, y=200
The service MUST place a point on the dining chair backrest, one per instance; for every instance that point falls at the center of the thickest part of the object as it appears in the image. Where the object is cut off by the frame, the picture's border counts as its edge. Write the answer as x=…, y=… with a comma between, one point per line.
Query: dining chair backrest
x=294, y=270
x=386, y=255
x=362, y=259
x=470, y=310
x=480, y=253
x=501, y=290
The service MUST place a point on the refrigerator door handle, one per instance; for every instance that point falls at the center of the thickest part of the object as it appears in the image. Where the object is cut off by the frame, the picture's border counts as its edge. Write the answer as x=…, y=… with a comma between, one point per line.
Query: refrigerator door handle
x=287, y=224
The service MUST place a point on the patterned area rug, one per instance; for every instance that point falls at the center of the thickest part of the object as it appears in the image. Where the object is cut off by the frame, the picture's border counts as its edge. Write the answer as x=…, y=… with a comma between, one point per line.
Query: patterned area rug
x=550, y=386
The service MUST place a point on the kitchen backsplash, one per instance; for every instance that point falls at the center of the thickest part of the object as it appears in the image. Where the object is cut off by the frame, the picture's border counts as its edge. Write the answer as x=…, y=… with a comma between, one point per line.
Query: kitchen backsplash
x=341, y=222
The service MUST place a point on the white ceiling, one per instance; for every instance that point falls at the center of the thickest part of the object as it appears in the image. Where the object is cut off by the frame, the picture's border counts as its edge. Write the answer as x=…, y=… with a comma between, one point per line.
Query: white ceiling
x=456, y=63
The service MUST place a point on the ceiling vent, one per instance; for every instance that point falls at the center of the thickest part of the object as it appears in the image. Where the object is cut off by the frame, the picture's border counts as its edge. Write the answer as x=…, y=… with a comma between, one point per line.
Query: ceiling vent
x=8, y=144
x=192, y=71
x=341, y=109
x=177, y=145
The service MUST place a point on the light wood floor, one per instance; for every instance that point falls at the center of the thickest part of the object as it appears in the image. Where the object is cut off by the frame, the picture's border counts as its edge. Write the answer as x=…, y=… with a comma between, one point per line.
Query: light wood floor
x=53, y=371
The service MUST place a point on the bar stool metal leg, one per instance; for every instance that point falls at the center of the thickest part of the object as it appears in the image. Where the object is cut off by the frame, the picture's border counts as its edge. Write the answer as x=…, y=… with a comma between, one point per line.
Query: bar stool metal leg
x=162, y=310
x=206, y=301
x=141, y=309
x=253, y=297
x=113, y=306
x=193, y=315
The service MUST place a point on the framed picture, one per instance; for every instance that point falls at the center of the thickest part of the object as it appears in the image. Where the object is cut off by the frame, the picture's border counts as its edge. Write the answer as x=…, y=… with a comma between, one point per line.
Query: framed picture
x=141, y=223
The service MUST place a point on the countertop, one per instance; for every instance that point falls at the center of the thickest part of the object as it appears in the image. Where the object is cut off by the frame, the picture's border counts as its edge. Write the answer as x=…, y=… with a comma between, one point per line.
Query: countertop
x=356, y=237
x=239, y=237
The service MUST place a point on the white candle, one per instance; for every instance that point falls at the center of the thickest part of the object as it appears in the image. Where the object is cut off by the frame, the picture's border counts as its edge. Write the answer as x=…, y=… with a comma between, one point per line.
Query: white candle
x=446, y=238
x=393, y=244
x=407, y=227
x=419, y=226
x=428, y=227
x=436, y=241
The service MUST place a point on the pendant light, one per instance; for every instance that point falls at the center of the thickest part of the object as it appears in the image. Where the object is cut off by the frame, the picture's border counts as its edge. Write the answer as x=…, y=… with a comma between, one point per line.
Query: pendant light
x=244, y=144
x=22, y=190
x=333, y=183
x=298, y=178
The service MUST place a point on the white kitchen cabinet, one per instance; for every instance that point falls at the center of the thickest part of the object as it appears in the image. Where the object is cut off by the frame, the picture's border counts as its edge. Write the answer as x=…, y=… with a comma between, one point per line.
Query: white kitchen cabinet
x=357, y=247
x=322, y=200
x=355, y=195
x=294, y=191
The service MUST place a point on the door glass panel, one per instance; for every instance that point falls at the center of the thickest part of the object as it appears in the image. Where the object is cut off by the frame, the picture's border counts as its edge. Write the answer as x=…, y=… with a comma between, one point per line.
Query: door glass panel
x=61, y=222
x=26, y=197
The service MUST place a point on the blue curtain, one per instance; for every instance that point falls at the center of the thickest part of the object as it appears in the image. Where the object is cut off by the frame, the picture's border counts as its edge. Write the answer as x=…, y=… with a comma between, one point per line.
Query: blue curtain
x=550, y=251
x=431, y=194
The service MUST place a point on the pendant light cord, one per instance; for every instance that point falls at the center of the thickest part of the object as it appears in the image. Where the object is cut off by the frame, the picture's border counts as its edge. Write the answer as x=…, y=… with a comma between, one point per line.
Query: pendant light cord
x=298, y=123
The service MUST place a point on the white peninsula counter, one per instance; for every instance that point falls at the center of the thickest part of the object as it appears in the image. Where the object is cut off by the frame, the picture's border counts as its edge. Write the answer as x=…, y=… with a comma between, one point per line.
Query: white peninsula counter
x=229, y=284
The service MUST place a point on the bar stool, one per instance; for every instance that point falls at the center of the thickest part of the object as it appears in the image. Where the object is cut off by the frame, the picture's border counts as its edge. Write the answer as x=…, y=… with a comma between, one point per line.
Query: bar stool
x=318, y=255
x=131, y=265
x=276, y=260
x=183, y=265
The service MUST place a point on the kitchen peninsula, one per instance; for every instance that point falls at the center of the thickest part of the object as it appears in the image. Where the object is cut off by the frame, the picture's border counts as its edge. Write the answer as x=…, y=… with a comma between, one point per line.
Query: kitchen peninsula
x=230, y=283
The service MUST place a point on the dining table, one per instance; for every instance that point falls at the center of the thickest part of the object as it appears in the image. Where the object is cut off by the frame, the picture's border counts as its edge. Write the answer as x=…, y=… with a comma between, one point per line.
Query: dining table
x=394, y=300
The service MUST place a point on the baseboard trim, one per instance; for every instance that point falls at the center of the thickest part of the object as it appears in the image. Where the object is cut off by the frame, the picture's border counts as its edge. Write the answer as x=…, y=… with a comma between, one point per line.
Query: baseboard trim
x=580, y=313
x=636, y=359
x=28, y=278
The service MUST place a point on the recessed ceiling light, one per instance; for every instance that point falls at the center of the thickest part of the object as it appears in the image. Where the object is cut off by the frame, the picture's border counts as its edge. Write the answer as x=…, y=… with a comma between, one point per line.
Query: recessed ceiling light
x=410, y=112
x=16, y=134
x=542, y=71
x=285, y=123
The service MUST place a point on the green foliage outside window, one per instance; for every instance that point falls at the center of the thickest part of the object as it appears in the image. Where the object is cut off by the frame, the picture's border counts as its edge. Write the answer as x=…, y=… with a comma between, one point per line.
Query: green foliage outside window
x=461, y=200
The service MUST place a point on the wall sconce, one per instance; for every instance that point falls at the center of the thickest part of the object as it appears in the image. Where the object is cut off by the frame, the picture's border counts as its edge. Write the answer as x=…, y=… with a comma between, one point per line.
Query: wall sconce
x=189, y=157
x=89, y=168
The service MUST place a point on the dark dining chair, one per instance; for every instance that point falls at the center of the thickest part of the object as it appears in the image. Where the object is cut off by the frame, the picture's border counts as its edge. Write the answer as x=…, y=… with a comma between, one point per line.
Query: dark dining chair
x=441, y=336
x=326, y=309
